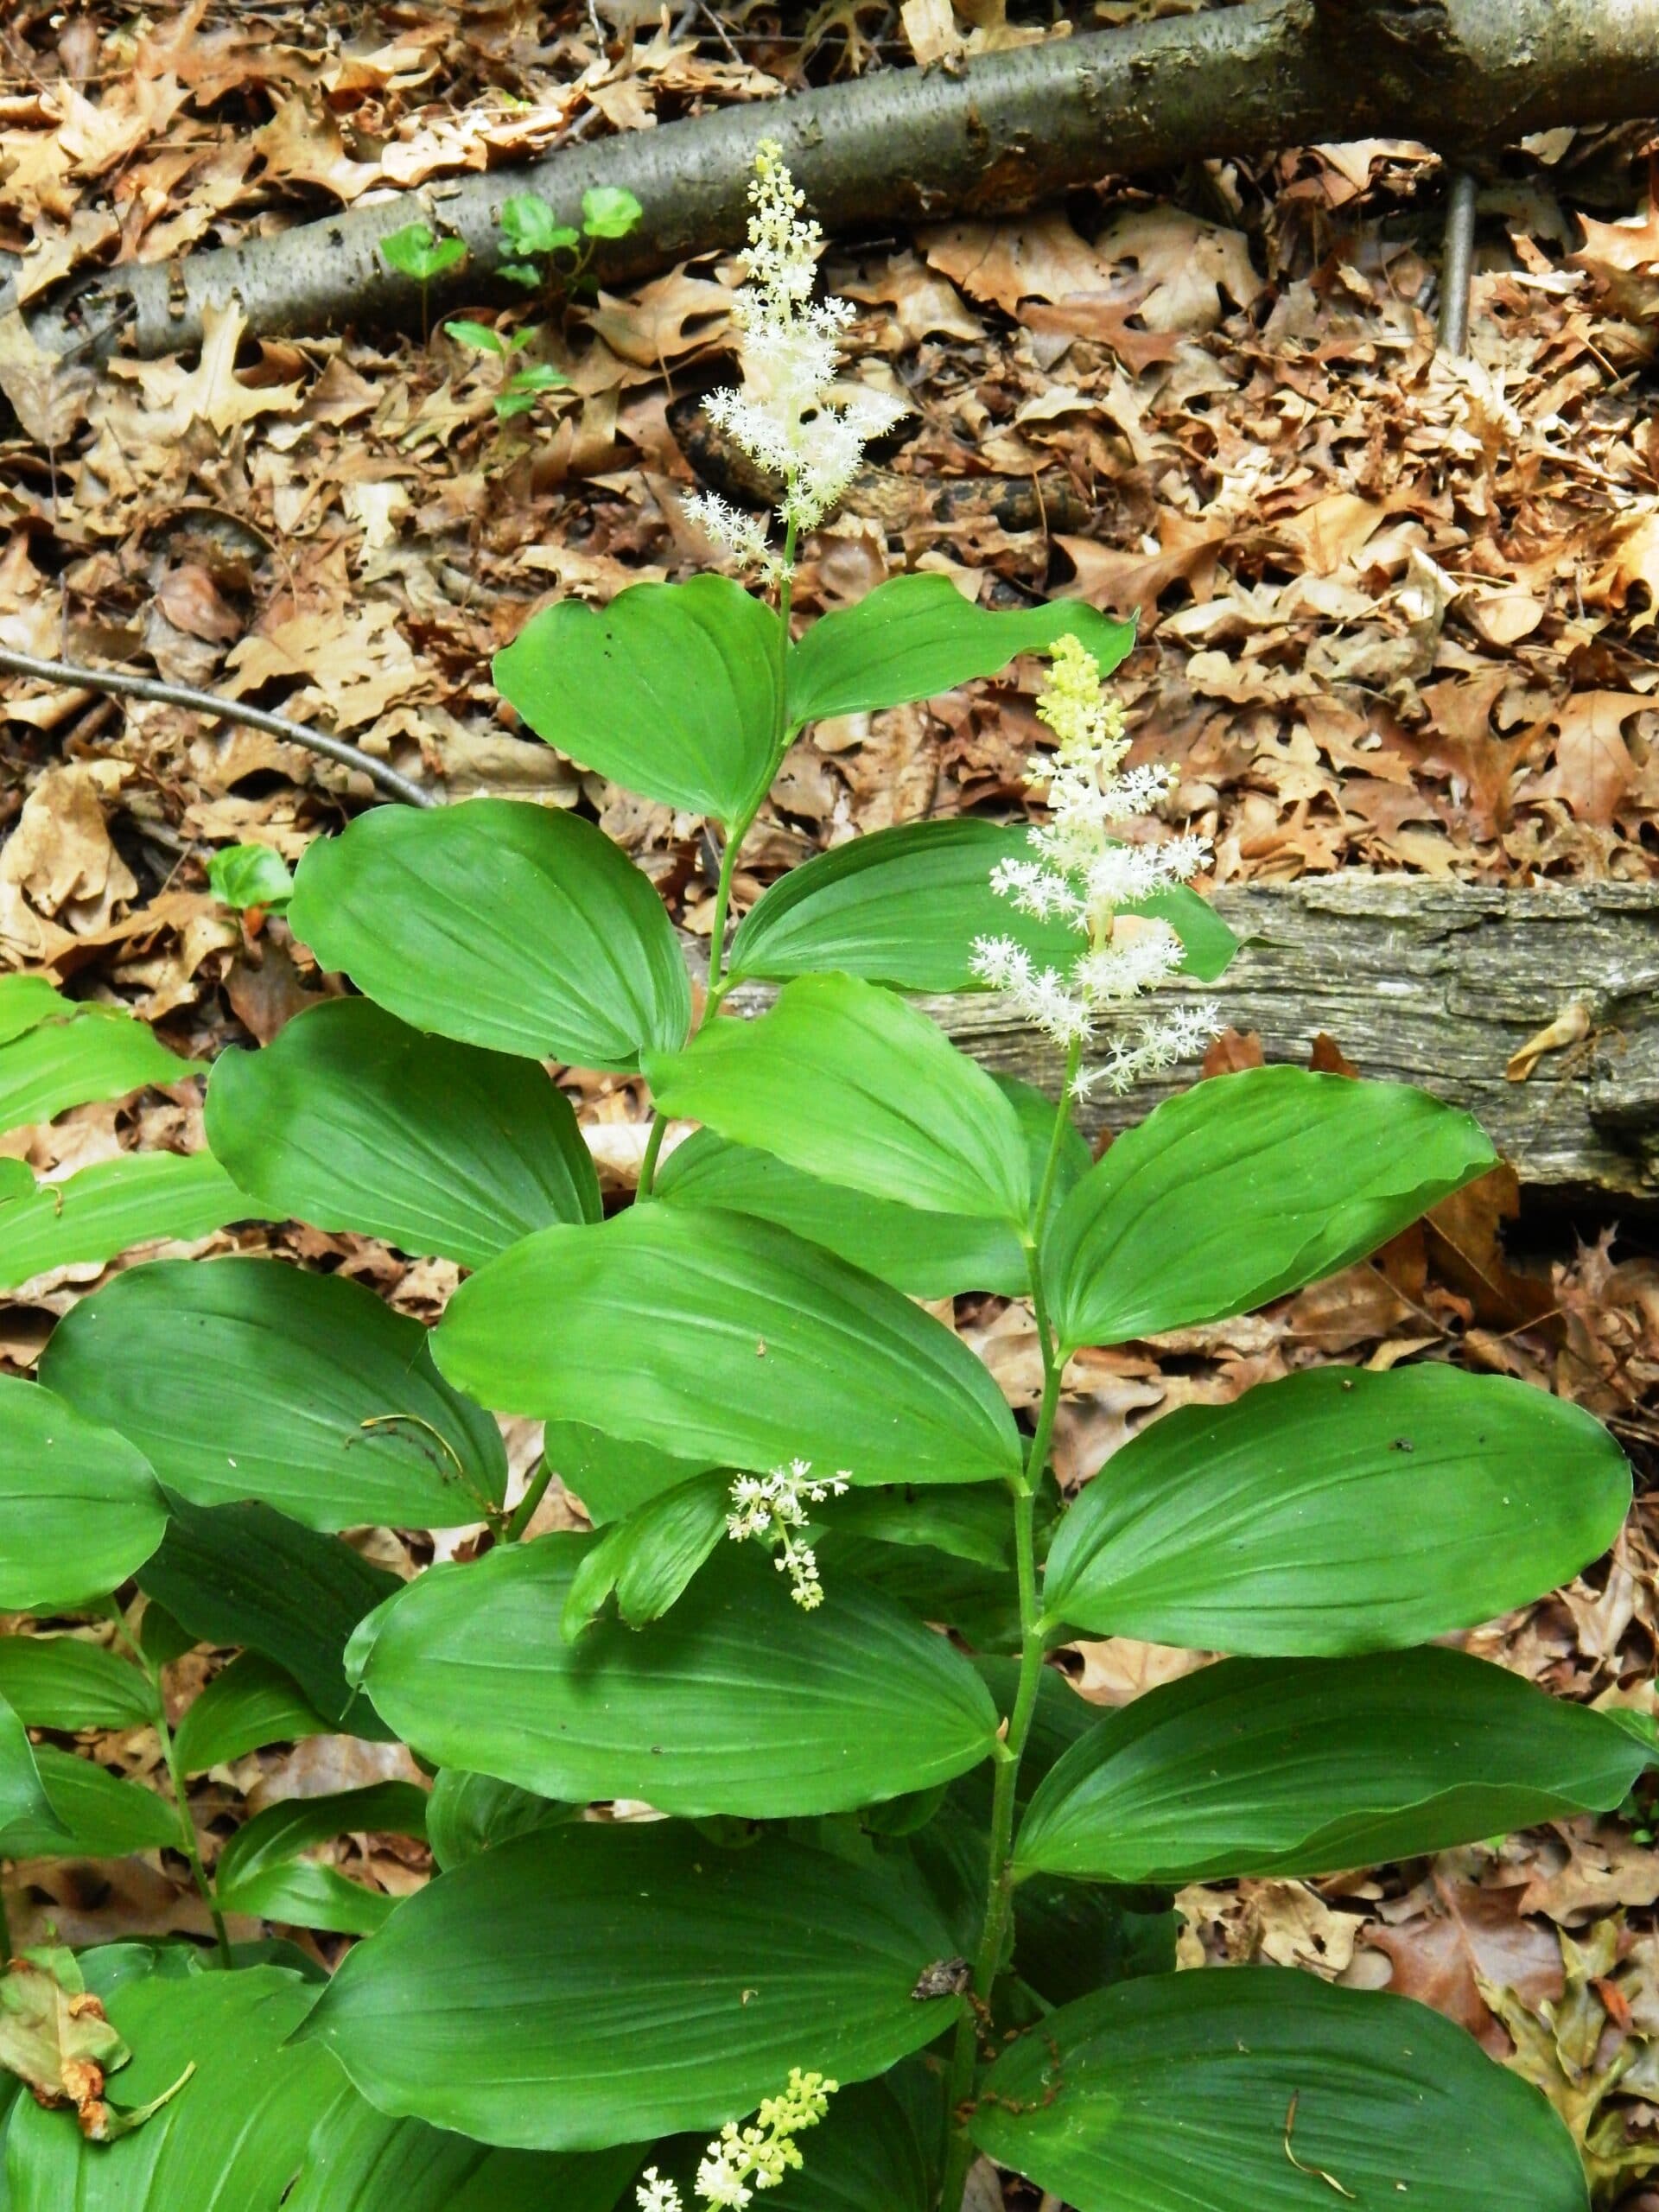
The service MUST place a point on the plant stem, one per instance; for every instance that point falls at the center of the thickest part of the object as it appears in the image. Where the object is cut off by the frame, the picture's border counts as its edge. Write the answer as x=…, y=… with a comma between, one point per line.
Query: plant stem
x=648, y=1159
x=187, y=1826
x=999, y=1899
x=525, y=1512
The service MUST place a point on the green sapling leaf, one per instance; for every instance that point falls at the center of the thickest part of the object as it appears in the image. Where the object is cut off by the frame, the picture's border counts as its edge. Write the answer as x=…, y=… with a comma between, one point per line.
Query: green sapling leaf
x=609, y=211
x=477, y=335
x=251, y=875
x=413, y=252
x=528, y=226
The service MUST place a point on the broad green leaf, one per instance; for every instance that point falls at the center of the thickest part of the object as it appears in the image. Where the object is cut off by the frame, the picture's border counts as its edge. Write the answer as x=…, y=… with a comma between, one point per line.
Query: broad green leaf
x=323, y=1401
x=904, y=907
x=113, y=1205
x=478, y=336
x=646, y=1560
x=245, y=1574
x=284, y=1831
x=24, y=1803
x=1244, y=1187
x=925, y=1254
x=68, y=1059
x=250, y=876
x=736, y=1701
x=261, y=1870
x=1299, y=1766
x=350, y=1120
x=500, y=923
x=26, y=1002
x=79, y=1506
x=265, y=2126
x=843, y=1080
x=62, y=1681
x=529, y=225
x=1265, y=2089
x=762, y=1348
x=916, y=635
x=90, y=1813
x=252, y=1702
x=585, y=1985
x=1338, y=1512
x=672, y=690
x=612, y=1475
x=17, y=1182
x=468, y=1814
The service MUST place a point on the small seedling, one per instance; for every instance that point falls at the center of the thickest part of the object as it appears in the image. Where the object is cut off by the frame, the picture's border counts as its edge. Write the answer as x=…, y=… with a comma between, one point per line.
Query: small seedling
x=413, y=252
x=521, y=388
x=251, y=875
x=531, y=230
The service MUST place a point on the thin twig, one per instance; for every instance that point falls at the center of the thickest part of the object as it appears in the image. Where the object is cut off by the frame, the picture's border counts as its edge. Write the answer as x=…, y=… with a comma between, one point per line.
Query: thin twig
x=70, y=674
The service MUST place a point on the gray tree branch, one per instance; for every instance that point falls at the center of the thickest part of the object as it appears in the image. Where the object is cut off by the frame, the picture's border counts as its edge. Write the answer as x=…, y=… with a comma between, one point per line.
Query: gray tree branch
x=910, y=145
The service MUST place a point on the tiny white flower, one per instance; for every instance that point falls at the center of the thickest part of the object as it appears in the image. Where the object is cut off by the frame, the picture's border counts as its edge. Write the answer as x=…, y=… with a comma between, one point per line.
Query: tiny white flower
x=775, y=1505
x=656, y=2194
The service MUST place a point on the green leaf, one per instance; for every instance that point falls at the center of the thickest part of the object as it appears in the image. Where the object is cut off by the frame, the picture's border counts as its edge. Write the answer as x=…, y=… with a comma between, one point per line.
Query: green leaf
x=24, y=1803
x=324, y=1403
x=498, y=924
x=609, y=211
x=672, y=690
x=245, y=1574
x=91, y=1052
x=1265, y=2088
x=108, y=1208
x=519, y=272
x=844, y=1081
x=262, y=2124
x=477, y=335
x=350, y=1120
x=737, y=1701
x=582, y=1986
x=250, y=1703
x=468, y=1814
x=904, y=907
x=647, y=1559
x=529, y=226
x=1242, y=1188
x=924, y=1255
x=27, y=1001
x=916, y=636
x=261, y=1872
x=62, y=1681
x=1297, y=1766
x=79, y=1506
x=250, y=876
x=1338, y=1512
x=612, y=1475
x=763, y=1349
x=414, y=252
x=90, y=1814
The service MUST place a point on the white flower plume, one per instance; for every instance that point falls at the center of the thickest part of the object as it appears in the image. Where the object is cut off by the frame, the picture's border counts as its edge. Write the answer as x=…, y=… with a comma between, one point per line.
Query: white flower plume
x=788, y=415
x=739, y=2160
x=1083, y=876
x=775, y=1505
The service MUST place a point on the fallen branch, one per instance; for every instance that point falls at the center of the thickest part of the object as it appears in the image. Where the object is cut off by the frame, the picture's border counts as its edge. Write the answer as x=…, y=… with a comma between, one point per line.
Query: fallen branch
x=72, y=677
x=1435, y=984
x=902, y=146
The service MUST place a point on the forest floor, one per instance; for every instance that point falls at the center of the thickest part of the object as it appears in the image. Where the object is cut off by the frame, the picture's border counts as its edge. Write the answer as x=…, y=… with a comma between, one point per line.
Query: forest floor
x=1397, y=613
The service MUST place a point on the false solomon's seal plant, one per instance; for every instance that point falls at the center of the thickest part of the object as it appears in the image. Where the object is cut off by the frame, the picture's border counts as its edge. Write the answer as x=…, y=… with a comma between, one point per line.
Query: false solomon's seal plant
x=711, y=1835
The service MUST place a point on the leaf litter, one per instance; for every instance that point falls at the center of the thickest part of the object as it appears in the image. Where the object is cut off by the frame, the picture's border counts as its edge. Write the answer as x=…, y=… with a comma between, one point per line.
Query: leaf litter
x=1396, y=611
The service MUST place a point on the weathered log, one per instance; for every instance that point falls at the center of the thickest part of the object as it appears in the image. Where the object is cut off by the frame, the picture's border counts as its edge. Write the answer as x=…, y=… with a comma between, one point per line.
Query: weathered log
x=1439, y=984
x=911, y=145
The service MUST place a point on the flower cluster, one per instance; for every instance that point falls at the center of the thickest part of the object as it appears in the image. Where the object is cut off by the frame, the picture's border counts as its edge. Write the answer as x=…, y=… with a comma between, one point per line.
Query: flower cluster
x=787, y=417
x=775, y=1505
x=1083, y=876
x=761, y=2154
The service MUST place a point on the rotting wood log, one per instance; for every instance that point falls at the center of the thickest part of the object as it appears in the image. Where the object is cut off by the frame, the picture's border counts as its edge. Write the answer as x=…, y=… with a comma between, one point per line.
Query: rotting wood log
x=913, y=145
x=1434, y=983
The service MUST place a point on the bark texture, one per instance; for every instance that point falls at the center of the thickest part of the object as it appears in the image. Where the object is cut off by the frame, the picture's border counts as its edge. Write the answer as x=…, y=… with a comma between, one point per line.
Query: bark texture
x=911, y=145
x=1436, y=984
